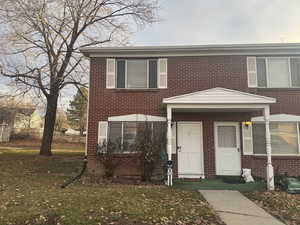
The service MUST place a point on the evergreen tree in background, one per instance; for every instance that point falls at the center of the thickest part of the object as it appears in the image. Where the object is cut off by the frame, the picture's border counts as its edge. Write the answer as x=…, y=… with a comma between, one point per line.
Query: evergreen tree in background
x=77, y=112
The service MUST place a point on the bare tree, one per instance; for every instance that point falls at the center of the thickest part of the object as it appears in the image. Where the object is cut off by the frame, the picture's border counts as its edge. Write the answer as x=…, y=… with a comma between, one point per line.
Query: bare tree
x=44, y=37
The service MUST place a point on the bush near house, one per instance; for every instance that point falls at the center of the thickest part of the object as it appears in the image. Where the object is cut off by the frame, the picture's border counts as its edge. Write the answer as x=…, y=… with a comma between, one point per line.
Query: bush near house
x=30, y=193
x=106, y=155
x=150, y=144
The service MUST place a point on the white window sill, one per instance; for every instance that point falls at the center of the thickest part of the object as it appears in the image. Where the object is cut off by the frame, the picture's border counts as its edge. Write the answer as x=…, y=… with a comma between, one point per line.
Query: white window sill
x=272, y=88
x=278, y=155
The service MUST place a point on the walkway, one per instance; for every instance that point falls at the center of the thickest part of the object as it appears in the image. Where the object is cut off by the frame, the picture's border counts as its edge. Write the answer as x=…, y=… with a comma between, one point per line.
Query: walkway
x=235, y=209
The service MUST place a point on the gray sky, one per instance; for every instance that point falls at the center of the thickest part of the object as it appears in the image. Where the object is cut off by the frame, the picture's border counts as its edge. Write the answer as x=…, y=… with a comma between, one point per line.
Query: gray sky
x=187, y=22
x=223, y=21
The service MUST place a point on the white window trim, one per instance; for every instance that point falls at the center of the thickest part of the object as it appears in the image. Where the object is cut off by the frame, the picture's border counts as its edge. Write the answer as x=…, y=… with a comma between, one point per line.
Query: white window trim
x=126, y=74
x=297, y=123
x=289, y=69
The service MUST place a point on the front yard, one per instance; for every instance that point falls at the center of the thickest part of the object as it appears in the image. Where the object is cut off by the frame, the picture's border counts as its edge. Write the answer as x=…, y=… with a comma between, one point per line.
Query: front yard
x=30, y=193
x=285, y=207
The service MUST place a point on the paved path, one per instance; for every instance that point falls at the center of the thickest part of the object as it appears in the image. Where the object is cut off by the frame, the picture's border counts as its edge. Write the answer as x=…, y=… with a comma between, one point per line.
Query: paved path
x=235, y=209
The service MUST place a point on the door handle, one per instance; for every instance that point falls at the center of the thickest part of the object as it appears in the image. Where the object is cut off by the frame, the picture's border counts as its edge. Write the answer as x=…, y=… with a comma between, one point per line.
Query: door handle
x=179, y=148
x=238, y=149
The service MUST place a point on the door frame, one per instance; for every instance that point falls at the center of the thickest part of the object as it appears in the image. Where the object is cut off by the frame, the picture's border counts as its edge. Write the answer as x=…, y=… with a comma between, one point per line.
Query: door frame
x=201, y=160
x=238, y=133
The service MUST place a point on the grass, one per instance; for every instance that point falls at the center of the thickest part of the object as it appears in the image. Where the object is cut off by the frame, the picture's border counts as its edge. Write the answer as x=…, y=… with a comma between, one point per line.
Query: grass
x=218, y=184
x=30, y=193
x=284, y=206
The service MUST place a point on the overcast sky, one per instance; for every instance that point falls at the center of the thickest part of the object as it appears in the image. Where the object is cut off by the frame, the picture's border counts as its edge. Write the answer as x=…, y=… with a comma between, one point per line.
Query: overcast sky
x=186, y=22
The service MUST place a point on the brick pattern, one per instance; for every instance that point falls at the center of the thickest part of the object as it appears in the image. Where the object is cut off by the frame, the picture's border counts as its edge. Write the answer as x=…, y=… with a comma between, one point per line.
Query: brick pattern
x=185, y=75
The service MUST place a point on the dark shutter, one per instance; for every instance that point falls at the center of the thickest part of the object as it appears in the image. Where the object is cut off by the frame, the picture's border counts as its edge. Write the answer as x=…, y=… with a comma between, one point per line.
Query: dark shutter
x=259, y=138
x=120, y=73
x=295, y=71
x=152, y=73
x=261, y=72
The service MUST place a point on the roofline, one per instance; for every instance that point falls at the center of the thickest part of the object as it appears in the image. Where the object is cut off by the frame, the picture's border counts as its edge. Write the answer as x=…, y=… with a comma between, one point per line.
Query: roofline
x=187, y=50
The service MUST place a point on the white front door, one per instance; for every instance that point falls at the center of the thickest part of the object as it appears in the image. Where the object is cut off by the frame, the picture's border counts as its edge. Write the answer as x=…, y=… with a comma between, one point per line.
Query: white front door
x=227, y=148
x=190, y=150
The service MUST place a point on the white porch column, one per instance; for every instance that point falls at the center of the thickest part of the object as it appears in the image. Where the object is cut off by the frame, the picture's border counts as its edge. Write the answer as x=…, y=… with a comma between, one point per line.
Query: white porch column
x=270, y=169
x=169, y=132
x=169, y=144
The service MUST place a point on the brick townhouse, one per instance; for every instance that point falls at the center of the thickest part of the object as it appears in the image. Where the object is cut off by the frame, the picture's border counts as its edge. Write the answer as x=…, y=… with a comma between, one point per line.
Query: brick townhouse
x=226, y=107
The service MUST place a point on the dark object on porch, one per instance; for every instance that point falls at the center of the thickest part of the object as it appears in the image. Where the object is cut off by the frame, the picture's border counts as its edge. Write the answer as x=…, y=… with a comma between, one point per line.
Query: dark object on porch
x=289, y=184
x=232, y=179
x=78, y=176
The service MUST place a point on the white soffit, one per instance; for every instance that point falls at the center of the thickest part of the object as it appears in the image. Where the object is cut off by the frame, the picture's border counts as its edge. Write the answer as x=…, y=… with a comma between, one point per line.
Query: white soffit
x=137, y=117
x=219, y=96
x=278, y=118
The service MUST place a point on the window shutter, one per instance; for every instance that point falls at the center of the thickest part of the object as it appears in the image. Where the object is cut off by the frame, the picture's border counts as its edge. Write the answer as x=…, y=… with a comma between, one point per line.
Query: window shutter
x=162, y=73
x=121, y=67
x=252, y=71
x=152, y=73
x=110, y=73
x=247, y=139
x=102, y=131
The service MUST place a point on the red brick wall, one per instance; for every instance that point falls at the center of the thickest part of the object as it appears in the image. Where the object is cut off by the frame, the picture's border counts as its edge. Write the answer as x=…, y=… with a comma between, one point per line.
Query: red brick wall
x=185, y=74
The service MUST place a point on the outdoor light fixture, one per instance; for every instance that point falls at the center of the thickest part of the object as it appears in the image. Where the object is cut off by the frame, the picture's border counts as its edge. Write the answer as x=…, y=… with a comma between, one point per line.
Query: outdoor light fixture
x=247, y=123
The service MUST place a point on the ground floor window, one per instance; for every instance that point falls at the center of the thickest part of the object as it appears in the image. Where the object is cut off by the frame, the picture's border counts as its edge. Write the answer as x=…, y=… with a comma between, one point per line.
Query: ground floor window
x=125, y=133
x=284, y=138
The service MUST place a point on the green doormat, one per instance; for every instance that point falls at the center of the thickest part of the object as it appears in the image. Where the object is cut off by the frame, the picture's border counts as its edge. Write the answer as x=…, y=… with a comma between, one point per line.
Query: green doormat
x=232, y=179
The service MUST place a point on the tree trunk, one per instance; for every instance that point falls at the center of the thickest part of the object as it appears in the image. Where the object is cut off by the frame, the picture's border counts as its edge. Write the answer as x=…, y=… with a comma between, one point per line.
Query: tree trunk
x=49, y=125
x=81, y=130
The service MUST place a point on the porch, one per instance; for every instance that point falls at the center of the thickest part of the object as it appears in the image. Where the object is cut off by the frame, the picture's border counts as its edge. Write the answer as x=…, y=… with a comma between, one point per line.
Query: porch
x=212, y=126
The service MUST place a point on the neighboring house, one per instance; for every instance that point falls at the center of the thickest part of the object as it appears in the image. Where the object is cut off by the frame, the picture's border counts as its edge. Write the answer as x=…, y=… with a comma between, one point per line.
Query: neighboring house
x=15, y=111
x=208, y=95
x=33, y=119
x=37, y=119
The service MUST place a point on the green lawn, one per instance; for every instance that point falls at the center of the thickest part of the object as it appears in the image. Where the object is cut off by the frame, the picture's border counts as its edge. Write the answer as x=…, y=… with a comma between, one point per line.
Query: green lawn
x=218, y=184
x=30, y=193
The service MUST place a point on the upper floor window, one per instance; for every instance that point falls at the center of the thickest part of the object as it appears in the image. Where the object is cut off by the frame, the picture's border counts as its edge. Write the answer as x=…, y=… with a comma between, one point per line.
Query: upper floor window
x=274, y=72
x=136, y=73
x=278, y=72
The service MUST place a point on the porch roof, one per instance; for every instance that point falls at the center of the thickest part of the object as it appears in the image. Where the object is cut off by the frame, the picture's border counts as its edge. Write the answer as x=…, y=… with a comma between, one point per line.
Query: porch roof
x=278, y=118
x=219, y=95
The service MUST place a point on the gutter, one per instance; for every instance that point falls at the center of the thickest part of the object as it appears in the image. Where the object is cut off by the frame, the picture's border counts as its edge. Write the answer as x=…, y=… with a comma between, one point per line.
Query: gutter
x=194, y=50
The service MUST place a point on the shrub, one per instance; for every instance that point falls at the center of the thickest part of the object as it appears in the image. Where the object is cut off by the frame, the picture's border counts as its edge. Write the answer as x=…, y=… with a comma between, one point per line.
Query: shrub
x=150, y=144
x=106, y=155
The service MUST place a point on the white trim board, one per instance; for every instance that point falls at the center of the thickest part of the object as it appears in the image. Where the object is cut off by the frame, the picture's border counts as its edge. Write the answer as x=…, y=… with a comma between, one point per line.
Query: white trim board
x=193, y=50
x=219, y=95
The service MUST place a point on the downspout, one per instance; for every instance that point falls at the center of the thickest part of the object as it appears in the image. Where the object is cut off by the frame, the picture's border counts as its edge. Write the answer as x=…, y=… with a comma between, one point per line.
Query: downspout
x=87, y=119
